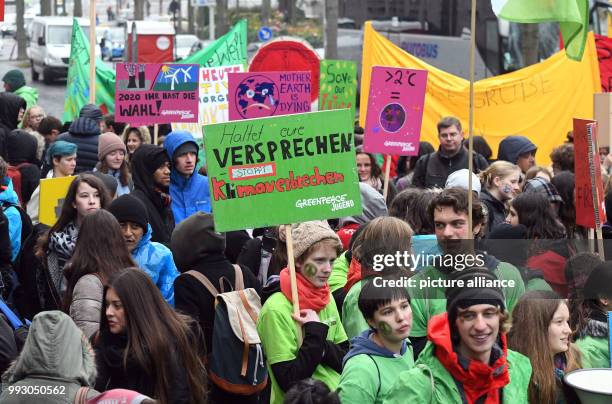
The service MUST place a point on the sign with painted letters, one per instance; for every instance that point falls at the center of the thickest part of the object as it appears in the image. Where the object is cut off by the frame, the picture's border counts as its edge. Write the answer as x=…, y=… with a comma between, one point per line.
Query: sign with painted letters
x=338, y=85
x=52, y=194
x=263, y=94
x=149, y=93
x=279, y=170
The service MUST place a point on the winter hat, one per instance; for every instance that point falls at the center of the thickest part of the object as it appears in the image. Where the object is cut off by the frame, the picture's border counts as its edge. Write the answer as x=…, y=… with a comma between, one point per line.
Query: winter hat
x=15, y=79
x=109, y=142
x=60, y=148
x=512, y=147
x=110, y=183
x=201, y=227
x=128, y=208
x=91, y=111
x=460, y=179
x=544, y=187
x=307, y=233
x=464, y=297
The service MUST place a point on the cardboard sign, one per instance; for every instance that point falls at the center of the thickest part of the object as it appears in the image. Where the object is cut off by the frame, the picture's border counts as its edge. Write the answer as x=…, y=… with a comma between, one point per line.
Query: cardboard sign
x=263, y=94
x=52, y=194
x=338, y=85
x=156, y=93
x=588, y=175
x=213, y=98
x=395, y=111
x=280, y=170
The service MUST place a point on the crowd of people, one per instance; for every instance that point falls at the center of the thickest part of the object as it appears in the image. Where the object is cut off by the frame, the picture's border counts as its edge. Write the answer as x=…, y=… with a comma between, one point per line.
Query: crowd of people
x=134, y=296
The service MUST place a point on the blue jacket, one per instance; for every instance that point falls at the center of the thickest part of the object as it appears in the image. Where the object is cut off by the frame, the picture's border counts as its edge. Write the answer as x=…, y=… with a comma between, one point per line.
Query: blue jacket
x=9, y=199
x=189, y=195
x=157, y=261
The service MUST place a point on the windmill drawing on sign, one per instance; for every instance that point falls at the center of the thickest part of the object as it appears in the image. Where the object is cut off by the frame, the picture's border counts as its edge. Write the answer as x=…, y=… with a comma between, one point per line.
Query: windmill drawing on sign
x=175, y=78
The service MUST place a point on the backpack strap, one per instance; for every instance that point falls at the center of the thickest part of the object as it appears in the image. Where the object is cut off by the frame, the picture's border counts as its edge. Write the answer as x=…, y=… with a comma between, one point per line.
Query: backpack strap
x=81, y=395
x=239, y=278
x=377, y=371
x=204, y=281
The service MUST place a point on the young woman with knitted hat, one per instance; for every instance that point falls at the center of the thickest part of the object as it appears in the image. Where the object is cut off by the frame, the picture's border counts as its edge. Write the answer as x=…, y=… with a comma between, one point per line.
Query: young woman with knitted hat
x=324, y=343
x=111, y=153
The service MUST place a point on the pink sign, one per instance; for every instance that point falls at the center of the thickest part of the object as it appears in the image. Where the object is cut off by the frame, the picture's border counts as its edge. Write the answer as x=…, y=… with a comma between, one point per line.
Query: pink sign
x=148, y=93
x=262, y=94
x=395, y=111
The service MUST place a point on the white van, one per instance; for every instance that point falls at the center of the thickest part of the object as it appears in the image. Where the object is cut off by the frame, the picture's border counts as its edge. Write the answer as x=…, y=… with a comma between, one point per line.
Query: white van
x=49, y=46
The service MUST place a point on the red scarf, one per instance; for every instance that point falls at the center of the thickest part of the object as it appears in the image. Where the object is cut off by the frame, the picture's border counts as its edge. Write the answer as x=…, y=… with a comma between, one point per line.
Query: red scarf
x=356, y=273
x=480, y=378
x=310, y=297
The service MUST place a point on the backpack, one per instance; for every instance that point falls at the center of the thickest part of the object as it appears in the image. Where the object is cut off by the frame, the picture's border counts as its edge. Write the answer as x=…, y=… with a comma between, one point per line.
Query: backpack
x=15, y=175
x=26, y=222
x=236, y=361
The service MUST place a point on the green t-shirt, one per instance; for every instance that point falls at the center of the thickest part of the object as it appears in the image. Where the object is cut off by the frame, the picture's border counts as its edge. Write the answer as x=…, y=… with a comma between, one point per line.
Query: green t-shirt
x=337, y=279
x=278, y=334
x=427, y=302
x=352, y=319
x=368, y=378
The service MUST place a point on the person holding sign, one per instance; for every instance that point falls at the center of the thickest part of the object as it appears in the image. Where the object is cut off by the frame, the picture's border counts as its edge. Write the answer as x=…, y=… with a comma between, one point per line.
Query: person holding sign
x=370, y=172
x=315, y=247
x=189, y=189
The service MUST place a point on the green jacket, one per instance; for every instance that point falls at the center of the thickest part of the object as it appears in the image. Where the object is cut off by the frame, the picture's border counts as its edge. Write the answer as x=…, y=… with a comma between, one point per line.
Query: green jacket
x=29, y=94
x=594, y=351
x=430, y=382
x=339, y=273
x=352, y=319
x=55, y=362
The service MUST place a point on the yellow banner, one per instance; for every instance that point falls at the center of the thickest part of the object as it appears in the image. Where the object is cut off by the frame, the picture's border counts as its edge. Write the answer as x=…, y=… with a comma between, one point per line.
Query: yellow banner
x=538, y=101
x=52, y=194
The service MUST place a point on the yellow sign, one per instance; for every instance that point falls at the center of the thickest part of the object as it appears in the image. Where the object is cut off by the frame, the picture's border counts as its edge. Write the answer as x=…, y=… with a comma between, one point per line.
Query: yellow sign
x=52, y=194
x=538, y=101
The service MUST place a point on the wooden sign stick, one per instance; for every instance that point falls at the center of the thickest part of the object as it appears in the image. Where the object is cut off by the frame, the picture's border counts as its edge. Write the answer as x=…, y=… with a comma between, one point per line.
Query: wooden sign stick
x=387, y=172
x=92, y=51
x=294, y=291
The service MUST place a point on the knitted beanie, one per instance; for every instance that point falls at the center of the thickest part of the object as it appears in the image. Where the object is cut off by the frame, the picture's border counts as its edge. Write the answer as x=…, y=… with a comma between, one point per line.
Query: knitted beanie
x=15, y=79
x=128, y=208
x=109, y=142
x=307, y=233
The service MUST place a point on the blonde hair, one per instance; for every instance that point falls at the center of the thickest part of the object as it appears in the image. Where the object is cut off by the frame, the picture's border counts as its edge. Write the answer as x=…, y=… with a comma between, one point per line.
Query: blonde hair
x=499, y=169
x=143, y=134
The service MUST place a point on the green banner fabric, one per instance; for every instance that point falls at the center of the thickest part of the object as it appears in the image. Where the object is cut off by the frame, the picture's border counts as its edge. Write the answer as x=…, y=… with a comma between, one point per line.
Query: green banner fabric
x=338, y=85
x=230, y=49
x=281, y=170
x=77, y=89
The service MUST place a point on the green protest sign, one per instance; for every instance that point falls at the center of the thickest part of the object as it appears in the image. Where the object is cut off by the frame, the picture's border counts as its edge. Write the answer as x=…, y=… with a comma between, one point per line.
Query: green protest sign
x=338, y=85
x=281, y=170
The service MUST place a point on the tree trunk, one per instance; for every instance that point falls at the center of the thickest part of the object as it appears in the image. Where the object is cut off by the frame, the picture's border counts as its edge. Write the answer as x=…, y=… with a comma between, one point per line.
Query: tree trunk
x=265, y=12
x=331, y=29
x=21, y=34
x=221, y=25
x=529, y=43
x=139, y=10
x=78, y=8
x=45, y=7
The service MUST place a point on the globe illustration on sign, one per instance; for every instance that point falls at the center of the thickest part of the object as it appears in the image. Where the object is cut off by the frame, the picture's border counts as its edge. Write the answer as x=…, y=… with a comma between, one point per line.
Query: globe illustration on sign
x=256, y=97
x=392, y=117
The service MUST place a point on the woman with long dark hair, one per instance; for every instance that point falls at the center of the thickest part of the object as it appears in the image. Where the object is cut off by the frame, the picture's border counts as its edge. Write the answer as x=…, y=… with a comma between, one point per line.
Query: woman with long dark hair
x=144, y=345
x=55, y=247
x=94, y=260
x=565, y=182
x=371, y=173
x=541, y=331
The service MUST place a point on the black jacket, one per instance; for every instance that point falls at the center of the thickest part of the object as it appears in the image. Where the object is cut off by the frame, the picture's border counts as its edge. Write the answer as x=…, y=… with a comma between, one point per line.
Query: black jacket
x=84, y=133
x=9, y=111
x=433, y=169
x=496, y=209
x=193, y=299
x=21, y=149
x=160, y=214
x=8, y=347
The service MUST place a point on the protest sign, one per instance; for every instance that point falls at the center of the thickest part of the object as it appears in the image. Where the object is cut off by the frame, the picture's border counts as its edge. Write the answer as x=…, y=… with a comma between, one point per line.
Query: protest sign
x=589, y=188
x=262, y=94
x=52, y=194
x=213, y=98
x=610, y=335
x=149, y=93
x=280, y=170
x=338, y=85
x=395, y=111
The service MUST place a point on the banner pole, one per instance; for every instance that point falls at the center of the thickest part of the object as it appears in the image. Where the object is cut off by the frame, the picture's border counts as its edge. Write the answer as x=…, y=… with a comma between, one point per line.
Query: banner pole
x=471, y=125
x=292, y=277
x=155, y=133
x=92, y=51
x=387, y=172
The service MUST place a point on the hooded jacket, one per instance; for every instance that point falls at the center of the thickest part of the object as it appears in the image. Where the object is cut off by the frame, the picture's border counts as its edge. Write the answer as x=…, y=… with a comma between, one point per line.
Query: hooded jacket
x=22, y=149
x=431, y=382
x=10, y=104
x=8, y=201
x=495, y=207
x=374, y=206
x=513, y=146
x=369, y=370
x=160, y=216
x=593, y=341
x=189, y=194
x=29, y=94
x=84, y=133
x=55, y=355
x=156, y=260
x=432, y=170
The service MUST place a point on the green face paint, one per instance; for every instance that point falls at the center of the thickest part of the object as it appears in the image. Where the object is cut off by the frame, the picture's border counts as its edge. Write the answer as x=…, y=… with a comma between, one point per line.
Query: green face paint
x=385, y=328
x=310, y=269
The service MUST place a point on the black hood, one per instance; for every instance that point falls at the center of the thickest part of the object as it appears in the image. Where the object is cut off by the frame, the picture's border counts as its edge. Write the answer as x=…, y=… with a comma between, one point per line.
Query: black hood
x=143, y=169
x=9, y=109
x=21, y=147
